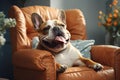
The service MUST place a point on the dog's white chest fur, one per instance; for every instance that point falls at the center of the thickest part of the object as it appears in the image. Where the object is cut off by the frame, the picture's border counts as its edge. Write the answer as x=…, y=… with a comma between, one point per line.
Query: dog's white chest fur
x=68, y=57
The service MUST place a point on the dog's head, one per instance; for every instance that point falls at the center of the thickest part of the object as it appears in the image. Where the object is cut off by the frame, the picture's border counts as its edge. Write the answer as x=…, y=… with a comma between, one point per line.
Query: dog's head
x=53, y=33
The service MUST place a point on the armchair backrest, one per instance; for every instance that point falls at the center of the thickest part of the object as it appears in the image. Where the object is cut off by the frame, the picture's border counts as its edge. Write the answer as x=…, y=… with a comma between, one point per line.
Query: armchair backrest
x=23, y=33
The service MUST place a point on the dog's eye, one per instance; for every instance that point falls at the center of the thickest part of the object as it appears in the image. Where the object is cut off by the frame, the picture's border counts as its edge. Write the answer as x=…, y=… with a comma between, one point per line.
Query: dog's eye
x=45, y=30
x=62, y=25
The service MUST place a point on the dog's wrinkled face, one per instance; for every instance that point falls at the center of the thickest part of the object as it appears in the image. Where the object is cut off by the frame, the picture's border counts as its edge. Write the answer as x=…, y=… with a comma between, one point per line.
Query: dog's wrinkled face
x=53, y=33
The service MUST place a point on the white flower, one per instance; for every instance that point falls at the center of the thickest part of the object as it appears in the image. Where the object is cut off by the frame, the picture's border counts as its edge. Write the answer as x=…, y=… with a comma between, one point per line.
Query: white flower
x=2, y=40
x=5, y=23
x=9, y=22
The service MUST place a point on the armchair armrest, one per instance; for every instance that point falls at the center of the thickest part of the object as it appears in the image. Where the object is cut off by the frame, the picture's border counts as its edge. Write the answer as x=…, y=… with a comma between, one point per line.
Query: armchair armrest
x=107, y=55
x=38, y=60
x=104, y=54
x=32, y=59
x=117, y=65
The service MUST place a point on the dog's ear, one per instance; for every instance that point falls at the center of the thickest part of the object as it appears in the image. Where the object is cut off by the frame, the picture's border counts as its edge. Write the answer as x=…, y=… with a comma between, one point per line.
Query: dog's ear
x=37, y=20
x=62, y=16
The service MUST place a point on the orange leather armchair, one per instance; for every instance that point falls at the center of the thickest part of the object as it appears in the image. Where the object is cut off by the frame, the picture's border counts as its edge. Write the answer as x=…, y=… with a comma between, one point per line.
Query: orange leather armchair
x=31, y=64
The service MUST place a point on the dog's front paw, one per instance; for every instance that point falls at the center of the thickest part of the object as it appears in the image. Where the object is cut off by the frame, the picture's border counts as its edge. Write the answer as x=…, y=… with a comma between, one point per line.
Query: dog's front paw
x=96, y=66
x=61, y=69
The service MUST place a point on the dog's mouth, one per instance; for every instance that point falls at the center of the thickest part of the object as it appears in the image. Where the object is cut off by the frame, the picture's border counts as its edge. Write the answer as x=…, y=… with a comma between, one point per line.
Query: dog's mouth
x=57, y=42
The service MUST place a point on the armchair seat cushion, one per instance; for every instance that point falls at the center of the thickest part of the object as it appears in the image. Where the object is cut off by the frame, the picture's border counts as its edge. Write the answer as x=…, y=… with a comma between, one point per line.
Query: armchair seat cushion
x=85, y=73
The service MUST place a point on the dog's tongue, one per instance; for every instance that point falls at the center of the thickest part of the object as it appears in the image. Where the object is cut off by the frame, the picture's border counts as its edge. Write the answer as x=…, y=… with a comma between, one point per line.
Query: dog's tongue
x=61, y=39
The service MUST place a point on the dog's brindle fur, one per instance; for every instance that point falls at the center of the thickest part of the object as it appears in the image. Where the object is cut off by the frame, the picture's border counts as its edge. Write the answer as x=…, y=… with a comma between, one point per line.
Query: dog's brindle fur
x=55, y=38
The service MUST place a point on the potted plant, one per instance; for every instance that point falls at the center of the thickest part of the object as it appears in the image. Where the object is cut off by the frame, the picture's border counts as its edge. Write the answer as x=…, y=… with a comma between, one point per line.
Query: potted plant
x=111, y=22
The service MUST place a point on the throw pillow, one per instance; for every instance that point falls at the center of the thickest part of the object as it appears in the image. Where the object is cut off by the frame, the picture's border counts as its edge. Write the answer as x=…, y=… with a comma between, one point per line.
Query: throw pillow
x=35, y=42
x=84, y=46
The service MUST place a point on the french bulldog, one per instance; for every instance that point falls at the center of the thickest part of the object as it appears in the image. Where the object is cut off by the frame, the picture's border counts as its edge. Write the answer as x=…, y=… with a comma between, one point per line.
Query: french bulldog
x=54, y=37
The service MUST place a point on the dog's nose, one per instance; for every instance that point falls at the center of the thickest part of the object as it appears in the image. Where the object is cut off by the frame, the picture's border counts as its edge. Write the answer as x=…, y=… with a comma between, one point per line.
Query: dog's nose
x=57, y=31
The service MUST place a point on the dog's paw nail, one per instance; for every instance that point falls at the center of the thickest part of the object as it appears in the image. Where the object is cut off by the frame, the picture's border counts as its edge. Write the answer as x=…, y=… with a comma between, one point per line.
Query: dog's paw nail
x=62, y=69
x=98, y=67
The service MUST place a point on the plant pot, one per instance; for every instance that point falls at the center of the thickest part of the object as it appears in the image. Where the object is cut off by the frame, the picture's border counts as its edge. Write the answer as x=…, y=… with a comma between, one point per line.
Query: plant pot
x=111, y=39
